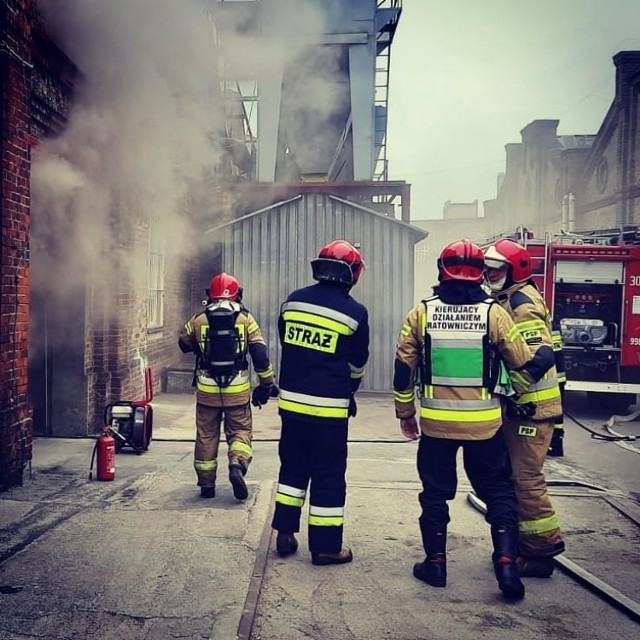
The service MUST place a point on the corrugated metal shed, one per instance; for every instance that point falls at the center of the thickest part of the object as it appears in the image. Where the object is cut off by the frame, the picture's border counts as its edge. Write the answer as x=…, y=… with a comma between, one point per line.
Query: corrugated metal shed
x=269, y=251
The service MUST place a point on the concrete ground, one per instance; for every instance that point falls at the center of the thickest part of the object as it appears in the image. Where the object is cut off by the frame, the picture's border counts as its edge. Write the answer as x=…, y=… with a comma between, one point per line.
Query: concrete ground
x=144, y=557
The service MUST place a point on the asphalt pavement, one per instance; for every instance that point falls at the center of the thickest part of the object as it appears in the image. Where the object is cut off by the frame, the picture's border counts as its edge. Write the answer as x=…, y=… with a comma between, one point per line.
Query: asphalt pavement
x=144, y=557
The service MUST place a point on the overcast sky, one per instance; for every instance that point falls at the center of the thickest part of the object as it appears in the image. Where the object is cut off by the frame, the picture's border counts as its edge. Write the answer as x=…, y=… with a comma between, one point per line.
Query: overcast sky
x=468, y=75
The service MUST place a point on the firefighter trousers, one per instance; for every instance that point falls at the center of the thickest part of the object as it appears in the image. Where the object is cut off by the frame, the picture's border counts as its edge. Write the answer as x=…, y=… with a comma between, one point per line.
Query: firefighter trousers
x=313, y=455
x=237, y=431
x=528, y=443
x=486, y=463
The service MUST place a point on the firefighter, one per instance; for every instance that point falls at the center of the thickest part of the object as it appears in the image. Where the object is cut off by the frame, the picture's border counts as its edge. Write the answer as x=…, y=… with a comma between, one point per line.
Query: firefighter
x=222, y=336
x=455, y=341
x=556, y=448
x=324, y=334
x=508, y=272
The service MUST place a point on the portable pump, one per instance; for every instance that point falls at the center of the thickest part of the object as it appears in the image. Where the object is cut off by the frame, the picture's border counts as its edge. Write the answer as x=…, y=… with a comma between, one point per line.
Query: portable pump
x=131, y=422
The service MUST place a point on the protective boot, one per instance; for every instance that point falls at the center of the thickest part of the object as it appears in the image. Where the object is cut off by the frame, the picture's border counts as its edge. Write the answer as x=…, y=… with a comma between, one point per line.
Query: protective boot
x=433, y=570
x=286, y=544
x=208, y=492
x=236, y=478
x=505, y=545
x=535, y=567
x=342, y=557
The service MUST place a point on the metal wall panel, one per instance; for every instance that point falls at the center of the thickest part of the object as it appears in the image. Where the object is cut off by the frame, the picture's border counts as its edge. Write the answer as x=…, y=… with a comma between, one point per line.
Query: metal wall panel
x=269, y=252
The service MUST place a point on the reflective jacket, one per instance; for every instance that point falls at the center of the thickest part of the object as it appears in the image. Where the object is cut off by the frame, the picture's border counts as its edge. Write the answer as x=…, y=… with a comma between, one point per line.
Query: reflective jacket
x=524, y=303
x=458, y=348
x=192, y=338
x=324, y=335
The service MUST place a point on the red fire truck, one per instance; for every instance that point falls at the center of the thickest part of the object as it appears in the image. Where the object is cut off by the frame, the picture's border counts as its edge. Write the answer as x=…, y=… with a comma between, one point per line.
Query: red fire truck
x=591, y=283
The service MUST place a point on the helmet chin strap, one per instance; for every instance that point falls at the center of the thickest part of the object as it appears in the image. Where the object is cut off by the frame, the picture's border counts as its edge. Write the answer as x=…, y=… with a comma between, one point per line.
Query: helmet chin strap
x=497, y=285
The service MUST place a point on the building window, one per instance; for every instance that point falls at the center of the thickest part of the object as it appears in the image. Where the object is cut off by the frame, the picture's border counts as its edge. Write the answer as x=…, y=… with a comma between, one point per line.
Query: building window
x=602, y=175
x=155, y=279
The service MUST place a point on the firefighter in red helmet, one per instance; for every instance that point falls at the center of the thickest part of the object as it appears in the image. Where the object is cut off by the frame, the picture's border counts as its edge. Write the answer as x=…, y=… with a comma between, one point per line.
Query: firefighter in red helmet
x=509, y=276
x=324, y=334
x=459, y=341
x=222, y=337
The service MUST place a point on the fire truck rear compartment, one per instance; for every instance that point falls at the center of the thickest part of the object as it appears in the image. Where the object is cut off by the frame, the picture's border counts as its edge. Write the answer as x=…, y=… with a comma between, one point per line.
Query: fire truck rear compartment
x=590, y=319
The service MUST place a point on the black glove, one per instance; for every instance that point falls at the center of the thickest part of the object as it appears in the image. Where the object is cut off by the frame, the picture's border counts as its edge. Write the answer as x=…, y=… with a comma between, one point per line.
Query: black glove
x=353, y=407
x=514, y=410
x=274, y=392
x=260, y=396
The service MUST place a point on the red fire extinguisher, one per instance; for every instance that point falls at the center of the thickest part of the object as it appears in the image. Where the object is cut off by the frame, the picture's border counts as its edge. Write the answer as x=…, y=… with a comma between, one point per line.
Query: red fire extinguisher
x=105, y=446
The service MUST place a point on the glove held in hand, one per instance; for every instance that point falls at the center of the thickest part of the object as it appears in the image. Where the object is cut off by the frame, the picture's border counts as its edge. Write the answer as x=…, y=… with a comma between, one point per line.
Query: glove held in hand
x=353, y=407
x=260, y=396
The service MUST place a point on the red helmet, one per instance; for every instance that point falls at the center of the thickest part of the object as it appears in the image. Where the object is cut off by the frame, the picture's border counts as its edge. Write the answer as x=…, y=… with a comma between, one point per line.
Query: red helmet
x=224, y=286
x=339, y=261
x=461, y=260
x=508, y=252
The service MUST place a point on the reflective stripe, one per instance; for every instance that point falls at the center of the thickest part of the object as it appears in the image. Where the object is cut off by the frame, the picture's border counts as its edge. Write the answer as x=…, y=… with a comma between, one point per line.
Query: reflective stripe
x=325, y=522
x=455, y=343
x=265, y=374
x=291, y=496
x=406, y=397
x=310, y=410
x=205, y=465
x=290, y=501
x=487, y=415
x=318, y=401
x=240, y=447
x=528, y=325
x=318, y=310
x=538, y=396
x=405, y=331
x=445, y=381
x=519, y=378
x=326, y=511
x=214, y=388
x=543, y=525
x=356, y=372
x=188, y=328
x=288, y=490
x=460, y=405
x=252, y=327
x=513, y=334
x=545, y=383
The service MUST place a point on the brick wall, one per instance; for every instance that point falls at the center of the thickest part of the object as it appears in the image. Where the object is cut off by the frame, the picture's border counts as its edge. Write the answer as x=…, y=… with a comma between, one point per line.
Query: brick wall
x=15, y=409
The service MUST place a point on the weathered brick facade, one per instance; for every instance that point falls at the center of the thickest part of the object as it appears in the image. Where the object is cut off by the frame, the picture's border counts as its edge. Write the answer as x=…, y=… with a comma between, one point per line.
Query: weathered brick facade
x=15, y=408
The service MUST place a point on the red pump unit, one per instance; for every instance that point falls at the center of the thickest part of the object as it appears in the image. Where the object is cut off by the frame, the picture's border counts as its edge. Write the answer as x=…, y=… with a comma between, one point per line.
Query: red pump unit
x=131, y=422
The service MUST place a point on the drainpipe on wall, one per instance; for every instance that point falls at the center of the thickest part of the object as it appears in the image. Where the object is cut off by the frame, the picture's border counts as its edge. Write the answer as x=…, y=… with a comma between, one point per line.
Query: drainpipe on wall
x=565, y=214
x=571, y=217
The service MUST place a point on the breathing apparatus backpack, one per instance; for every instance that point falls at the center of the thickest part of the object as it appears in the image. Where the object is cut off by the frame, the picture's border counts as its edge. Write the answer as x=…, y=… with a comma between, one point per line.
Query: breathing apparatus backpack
x=223, y=355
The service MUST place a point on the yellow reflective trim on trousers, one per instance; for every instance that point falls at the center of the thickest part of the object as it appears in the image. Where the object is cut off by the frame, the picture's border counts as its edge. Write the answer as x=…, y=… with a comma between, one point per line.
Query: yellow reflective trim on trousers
x=539, y=396
x=542, y=525
x=482, y=415
x=205, y=465
x=289, y=500
x=319, y=521
x=240, y=447
x=309, y=410
x=317, y=321
x=212, y=388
